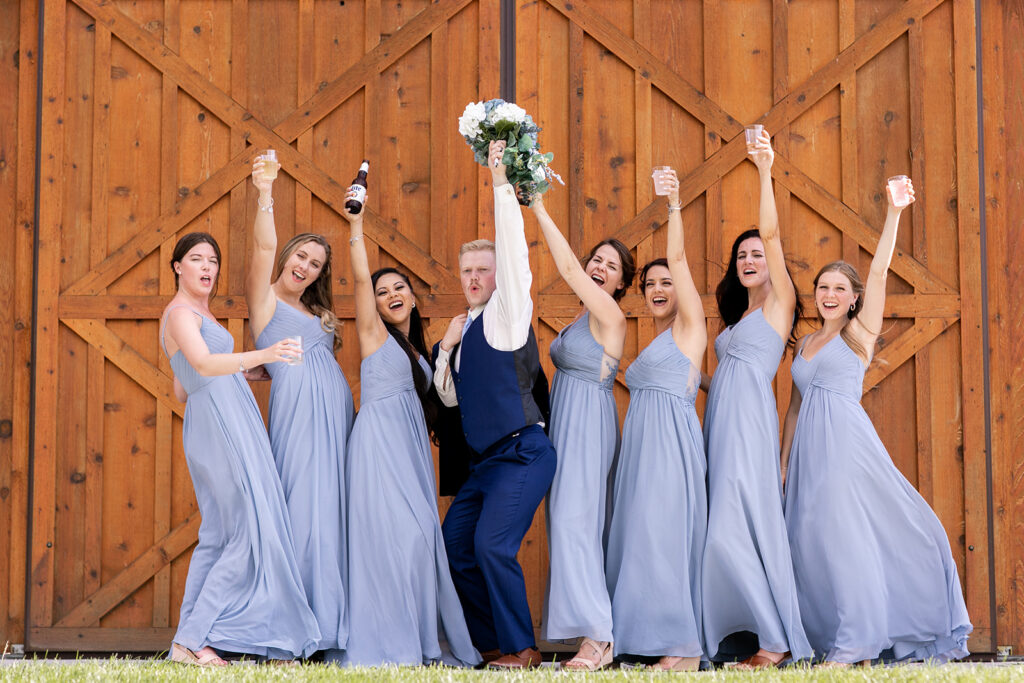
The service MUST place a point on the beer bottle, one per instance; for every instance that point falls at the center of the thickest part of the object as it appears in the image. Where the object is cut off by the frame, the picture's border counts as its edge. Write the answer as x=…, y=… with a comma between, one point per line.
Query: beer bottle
x=355, y=204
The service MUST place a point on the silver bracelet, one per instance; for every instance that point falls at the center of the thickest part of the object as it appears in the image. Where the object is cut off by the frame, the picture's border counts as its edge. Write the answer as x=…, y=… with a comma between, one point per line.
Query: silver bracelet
x=353, y=240
x=678, y=207
x=241, y=363
x=269, y=208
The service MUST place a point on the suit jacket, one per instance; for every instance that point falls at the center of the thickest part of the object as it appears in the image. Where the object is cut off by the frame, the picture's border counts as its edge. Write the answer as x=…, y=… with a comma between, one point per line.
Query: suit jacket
x=454, y=453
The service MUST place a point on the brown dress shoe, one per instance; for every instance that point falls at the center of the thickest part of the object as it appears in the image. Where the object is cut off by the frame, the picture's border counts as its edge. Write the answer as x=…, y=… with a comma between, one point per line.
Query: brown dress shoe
x=526, y=659
x=490, y=655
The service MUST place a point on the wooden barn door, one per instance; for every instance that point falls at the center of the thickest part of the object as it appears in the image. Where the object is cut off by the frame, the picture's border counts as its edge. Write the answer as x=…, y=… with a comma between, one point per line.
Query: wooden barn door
x=152, y=113
x=853, y=92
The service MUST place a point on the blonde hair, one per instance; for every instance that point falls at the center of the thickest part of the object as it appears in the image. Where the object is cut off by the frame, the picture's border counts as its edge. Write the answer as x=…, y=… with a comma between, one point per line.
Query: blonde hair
x=317, y=297
x=857, y=285
x=476, y=245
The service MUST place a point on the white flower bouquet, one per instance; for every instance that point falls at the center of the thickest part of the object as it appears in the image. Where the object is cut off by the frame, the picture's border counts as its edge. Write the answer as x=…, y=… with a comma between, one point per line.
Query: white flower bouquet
x=527, y=168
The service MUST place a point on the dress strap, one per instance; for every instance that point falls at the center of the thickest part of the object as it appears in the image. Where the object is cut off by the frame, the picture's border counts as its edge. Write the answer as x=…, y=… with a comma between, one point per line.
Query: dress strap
x=163, y=324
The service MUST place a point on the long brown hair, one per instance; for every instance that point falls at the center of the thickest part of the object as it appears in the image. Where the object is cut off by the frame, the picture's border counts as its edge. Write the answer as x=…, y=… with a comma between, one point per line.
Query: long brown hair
x=857, y=285
x=317, y=296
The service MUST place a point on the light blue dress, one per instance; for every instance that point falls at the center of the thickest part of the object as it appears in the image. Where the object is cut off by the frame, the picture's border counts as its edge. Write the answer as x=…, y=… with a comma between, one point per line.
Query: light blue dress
x=311, y=415
x=585, y=434
x=403, y=608
x=659, y=509
x=748, y=582
x=243, y=592
x=874, y=570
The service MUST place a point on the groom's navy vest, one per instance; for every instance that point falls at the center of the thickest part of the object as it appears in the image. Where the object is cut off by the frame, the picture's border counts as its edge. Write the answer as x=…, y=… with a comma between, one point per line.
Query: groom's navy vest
x=495, y=388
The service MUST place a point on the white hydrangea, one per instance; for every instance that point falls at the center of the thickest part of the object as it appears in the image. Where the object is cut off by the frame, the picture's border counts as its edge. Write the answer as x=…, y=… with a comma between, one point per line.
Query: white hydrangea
x=472, y=117
x=506, y=111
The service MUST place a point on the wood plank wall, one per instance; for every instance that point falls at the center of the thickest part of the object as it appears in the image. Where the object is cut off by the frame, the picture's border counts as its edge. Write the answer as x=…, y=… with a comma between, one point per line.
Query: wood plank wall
x=18, y=79
x=154, y=149
x=1002, y=64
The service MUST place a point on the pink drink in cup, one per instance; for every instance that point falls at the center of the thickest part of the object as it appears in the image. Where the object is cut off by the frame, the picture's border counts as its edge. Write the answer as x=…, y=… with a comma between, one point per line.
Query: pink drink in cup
x=899, y=188
x=661, y=180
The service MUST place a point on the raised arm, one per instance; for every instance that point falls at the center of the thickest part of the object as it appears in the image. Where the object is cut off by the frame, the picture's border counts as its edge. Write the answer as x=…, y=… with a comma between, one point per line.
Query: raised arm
x=509, y=313
x=182, y=332
x=258, y=293
x=611, y=321
x=369, y=327
x=778, y=308
x=689, y=328
x=868, y=323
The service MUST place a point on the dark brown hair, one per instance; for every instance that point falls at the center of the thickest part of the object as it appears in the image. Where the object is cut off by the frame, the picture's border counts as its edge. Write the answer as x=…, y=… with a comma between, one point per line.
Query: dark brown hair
x=643, y=272
x=732, y=295
x=625, y=259
x=186, y=244
x=415, y=343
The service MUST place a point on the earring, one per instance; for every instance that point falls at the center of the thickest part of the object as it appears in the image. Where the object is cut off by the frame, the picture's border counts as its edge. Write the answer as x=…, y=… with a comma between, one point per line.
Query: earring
x=853, y=306
x=177, y=271
x=414, y=304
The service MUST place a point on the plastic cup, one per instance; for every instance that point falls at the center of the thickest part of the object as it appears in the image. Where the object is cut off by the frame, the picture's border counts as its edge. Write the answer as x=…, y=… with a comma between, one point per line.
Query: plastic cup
x=899, y=189
x=270, y=164
x=297, y=360
x=752, y=133
x=660, y=178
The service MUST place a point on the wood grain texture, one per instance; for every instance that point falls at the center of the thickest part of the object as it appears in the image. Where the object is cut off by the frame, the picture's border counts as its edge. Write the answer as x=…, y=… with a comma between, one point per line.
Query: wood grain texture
x=152, y=113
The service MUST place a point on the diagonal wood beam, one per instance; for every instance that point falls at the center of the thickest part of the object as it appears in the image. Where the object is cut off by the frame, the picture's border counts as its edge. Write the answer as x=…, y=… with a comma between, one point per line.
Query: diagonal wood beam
x=643, y=61
x=801, y=99
x=903, y=348
x=118, y=352
x=132, y=577
x=850, y=223
x=313, y=110
x=228, y=110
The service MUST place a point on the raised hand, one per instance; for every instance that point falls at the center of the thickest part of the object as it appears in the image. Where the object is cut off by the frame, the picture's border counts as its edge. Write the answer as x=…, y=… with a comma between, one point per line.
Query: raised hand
x=671, y=181
x=908, y=189
x=354, y=217
x=495, y=152
x=262, y=183
x=761, y=152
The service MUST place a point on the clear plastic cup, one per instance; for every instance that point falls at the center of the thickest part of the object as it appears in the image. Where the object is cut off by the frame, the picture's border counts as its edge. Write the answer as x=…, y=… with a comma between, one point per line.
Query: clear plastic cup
x=297, y=360
x=752, y=133
x=899, y=188
x=270, y=164
x=660, y=178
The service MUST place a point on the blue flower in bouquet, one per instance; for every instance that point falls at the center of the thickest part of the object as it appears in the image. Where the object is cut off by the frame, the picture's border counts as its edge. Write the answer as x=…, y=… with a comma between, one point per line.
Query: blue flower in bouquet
x=526, y=166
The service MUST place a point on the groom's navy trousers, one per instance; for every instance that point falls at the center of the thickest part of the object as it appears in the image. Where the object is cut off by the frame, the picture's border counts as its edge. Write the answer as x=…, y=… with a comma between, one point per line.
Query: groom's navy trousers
x=483, y=530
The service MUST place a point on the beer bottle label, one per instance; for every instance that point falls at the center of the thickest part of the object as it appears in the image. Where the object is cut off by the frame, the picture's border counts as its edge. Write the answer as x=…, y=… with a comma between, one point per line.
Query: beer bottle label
x=360, y=193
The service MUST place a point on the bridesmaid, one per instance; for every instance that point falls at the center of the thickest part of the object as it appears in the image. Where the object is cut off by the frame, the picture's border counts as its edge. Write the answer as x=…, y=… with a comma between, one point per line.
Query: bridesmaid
x=585, y=433
x=659, y=509
x=748, y=585
x=403, y=608
x=243, y=592
x=311, y=409
x=889, y=587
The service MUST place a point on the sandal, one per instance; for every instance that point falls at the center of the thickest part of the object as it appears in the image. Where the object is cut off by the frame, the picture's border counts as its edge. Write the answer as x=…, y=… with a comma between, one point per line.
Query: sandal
x=760, y=662
x=183, y=655
x=598, y=658
x=670, y=663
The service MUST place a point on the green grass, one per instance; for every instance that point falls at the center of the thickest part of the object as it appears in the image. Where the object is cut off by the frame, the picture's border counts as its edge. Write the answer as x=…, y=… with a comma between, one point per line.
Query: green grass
x=120, y=669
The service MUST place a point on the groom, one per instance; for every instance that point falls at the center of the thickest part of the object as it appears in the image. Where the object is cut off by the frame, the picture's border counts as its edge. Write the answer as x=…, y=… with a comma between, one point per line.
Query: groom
x=486, y=364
